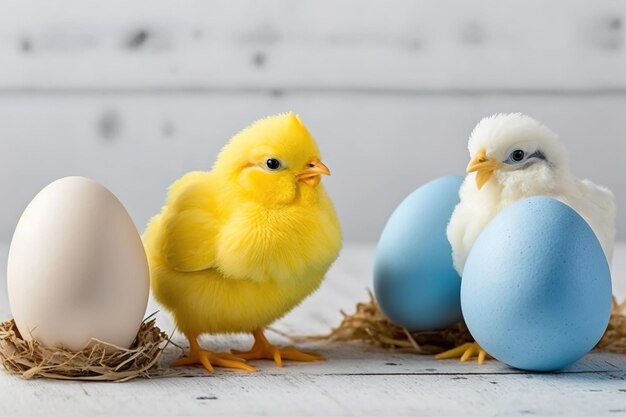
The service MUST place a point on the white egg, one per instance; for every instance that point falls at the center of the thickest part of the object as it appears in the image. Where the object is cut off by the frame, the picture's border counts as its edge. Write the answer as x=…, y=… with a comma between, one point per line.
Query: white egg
x=77, y=269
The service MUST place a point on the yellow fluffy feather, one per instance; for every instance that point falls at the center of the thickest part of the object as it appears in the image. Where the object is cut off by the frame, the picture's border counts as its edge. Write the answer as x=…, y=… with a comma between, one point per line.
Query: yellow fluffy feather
x=238, y=247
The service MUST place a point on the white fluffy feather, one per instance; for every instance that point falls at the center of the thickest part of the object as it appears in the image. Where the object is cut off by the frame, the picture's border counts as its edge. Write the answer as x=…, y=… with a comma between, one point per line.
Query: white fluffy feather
x=499, y=135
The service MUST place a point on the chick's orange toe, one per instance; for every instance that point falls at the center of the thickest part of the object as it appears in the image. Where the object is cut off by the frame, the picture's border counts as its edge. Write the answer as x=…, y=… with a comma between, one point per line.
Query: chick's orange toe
x=465, y=352
x=199, y=356
x=208, y=359
x=263, y=349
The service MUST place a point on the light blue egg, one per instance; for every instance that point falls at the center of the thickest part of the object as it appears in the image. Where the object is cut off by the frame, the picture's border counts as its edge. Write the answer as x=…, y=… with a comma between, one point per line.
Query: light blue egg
x=536, y=291
x=415, y=283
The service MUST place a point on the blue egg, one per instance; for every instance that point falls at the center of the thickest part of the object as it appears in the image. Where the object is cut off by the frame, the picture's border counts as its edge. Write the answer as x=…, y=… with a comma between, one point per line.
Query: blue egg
x=415, y=283
x=536, y=290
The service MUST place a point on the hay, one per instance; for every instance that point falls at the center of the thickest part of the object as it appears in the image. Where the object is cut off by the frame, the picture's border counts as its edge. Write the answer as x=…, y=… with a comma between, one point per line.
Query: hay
x=368, y=324
x=30, y=359
x=614, y=339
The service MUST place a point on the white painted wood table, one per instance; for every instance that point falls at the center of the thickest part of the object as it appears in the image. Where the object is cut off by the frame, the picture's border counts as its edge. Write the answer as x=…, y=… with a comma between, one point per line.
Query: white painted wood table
x=356, y=379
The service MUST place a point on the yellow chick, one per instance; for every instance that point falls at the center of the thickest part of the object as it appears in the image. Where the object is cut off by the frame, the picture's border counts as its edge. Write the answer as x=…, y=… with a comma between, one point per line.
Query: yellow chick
x=236, y=248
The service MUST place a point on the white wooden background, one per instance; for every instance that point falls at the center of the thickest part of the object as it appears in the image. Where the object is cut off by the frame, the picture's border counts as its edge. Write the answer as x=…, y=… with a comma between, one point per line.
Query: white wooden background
x=135, y=93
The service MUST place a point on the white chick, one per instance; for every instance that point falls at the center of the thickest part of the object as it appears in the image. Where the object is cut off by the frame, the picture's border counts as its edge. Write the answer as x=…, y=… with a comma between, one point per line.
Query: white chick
x=513, y=157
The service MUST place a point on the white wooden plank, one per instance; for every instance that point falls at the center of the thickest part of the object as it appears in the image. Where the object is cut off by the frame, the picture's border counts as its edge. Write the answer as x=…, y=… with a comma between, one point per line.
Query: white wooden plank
x=403, y=45
x=137, y=146
x=292, y=392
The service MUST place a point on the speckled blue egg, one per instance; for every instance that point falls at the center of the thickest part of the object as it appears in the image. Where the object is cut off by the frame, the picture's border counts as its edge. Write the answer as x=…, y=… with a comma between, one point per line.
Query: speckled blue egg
x=415, y=283
x=536, y=290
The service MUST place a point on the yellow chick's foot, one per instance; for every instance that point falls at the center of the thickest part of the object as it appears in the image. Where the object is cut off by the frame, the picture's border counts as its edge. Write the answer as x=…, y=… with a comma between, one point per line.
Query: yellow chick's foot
x=263, y=349
x=198, y=356
x=466, y=352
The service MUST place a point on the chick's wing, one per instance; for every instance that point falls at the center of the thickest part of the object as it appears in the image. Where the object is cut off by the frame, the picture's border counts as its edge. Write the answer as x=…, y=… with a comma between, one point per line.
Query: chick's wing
x=190, y=227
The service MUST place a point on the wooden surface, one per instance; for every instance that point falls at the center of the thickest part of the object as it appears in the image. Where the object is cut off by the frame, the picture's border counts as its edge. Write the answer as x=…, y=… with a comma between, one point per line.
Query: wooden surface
x=136, y=93
x=356, y=379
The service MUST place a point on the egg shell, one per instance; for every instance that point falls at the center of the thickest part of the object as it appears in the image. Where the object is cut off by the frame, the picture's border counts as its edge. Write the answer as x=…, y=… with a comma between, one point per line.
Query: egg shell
x=77, y=269
x=415, y=282
x=536, y=290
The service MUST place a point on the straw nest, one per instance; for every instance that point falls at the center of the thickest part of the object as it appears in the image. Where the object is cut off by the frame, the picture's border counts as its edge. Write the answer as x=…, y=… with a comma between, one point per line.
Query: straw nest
x=98, y=362
x=368, y=324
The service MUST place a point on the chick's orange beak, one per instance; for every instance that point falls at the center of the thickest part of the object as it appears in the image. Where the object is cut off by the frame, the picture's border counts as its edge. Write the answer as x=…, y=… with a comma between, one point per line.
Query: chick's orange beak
x=483, y=166
x=312, y=174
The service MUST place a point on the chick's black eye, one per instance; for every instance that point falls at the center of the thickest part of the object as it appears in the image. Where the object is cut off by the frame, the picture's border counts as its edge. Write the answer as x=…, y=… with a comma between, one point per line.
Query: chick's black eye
x=518, y=155
x=273, y=164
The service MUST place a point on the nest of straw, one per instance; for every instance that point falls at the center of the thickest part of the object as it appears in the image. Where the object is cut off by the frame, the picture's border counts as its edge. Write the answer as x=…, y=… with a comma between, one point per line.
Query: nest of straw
x=98, y=362
x=369, y=325
x=614, y=339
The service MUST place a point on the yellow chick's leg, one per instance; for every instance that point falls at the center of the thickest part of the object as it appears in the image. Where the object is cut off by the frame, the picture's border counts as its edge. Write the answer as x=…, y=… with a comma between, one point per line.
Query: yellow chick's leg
x=263, y=349
x=198, y=356
x=466, y=352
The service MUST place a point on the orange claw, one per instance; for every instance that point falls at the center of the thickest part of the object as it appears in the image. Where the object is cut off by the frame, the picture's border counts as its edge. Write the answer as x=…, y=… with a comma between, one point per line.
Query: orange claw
x=198, y=356
x=263, y=349
x=466, y=352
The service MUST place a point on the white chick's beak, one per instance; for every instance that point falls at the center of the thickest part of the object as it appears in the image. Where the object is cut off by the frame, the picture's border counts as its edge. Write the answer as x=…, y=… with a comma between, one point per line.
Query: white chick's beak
x=483, y=166
x=312, y=174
